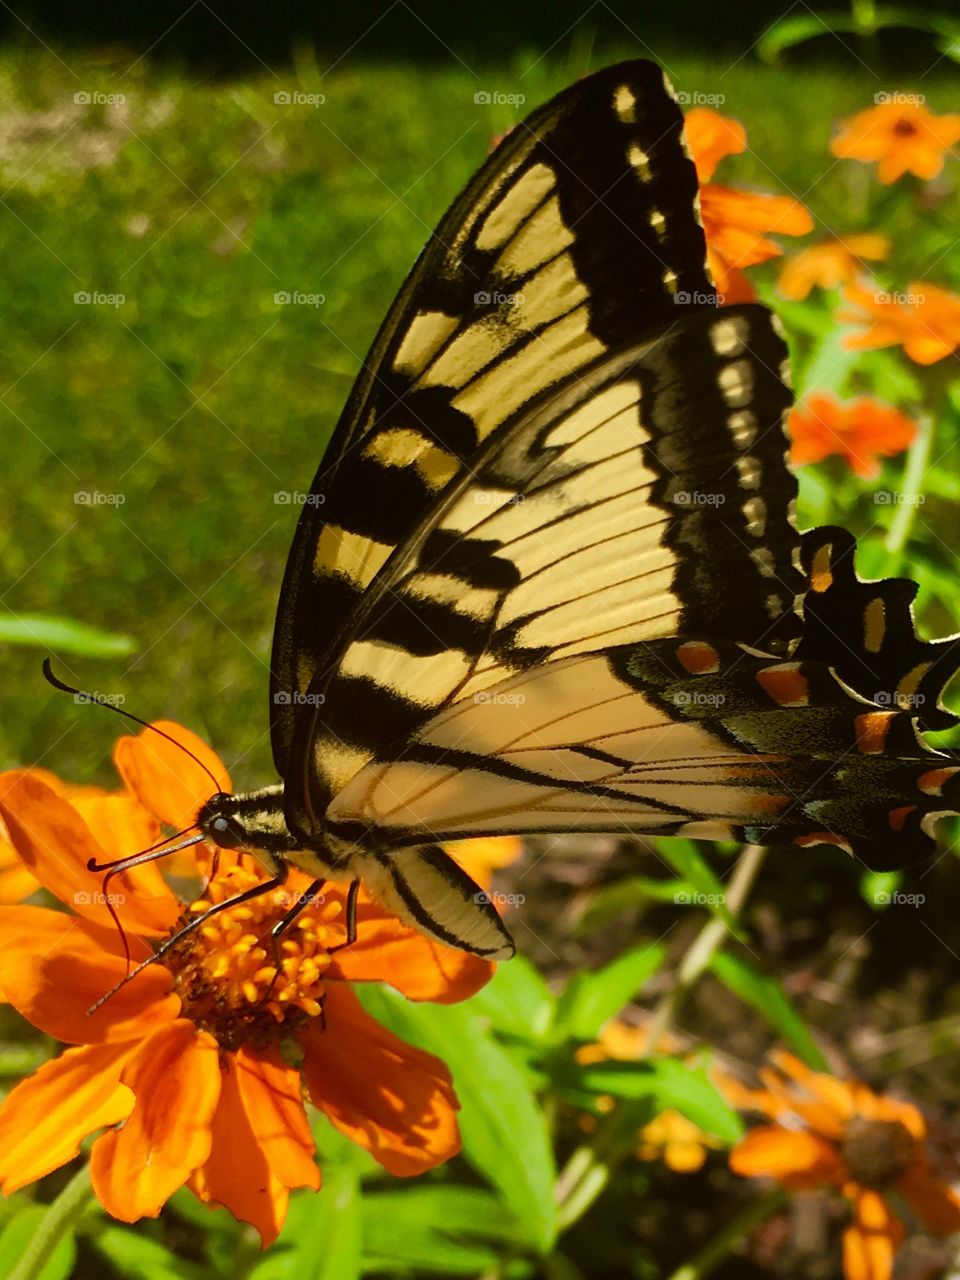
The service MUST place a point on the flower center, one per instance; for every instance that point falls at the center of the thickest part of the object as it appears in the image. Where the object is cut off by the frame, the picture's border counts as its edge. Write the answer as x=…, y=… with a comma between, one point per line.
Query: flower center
x=226, y=974
x=877, y=1151
x=904, y=128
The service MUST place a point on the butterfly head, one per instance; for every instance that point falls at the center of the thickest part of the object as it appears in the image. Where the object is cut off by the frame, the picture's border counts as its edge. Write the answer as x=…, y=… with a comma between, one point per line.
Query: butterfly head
x=254, y=822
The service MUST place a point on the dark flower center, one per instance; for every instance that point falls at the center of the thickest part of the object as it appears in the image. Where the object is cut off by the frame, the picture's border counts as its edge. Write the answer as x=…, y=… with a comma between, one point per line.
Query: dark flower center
x=877, y=1151
x=904, y=128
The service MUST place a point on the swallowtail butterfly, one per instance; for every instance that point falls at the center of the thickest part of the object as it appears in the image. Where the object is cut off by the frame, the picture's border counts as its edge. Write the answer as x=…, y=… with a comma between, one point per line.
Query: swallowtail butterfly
x=550, y=580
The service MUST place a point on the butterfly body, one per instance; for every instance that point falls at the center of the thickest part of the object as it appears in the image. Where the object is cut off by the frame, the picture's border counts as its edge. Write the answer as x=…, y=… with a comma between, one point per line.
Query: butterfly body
x=549, y=577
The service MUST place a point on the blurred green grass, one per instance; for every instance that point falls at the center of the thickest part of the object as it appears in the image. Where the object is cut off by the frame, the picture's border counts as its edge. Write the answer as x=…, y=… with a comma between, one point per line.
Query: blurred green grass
x=199, y=398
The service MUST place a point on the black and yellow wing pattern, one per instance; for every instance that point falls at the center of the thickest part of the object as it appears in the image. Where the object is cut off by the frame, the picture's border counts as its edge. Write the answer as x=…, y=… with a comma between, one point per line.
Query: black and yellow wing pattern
x=551, y=580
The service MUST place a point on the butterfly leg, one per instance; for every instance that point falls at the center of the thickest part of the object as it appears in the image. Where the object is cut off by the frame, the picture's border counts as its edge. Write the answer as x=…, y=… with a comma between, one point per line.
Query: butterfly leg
x=353, y=894
x=306, y=899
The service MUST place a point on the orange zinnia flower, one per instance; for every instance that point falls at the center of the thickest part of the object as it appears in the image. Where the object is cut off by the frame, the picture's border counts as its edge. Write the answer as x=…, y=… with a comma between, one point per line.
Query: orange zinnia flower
x=839, y=1133
x=862, y=430
x=735, y=222
x=189, y=1067
x=925, y=320
x=901, y=135
x=831, y=263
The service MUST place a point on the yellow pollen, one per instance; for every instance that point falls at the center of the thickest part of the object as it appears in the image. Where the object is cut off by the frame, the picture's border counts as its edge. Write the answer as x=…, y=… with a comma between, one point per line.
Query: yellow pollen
x=226, y=971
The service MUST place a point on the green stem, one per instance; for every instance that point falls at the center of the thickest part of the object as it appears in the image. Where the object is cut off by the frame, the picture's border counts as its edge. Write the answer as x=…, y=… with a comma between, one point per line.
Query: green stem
x=911, y=495
x=718, y=1248
x=705, y=944
x=590, y=1167
x=59, y=1220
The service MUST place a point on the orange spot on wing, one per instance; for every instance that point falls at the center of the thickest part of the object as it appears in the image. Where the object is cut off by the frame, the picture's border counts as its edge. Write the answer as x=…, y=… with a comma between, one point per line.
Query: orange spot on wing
x=931, y=782
x=785, y=684
x=823, y=837
x=897, y=817
x=871, y=729
x=698, y=658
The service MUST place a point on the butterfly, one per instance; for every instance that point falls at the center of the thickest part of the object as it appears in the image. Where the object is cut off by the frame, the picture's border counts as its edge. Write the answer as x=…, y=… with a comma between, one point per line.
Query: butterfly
x=549, y=578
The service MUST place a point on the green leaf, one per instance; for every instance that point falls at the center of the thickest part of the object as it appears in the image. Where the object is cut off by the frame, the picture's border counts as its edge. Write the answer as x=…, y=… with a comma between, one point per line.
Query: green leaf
x=591, y=999
x=504, y=1132
x=672, y=1085
x=17, y=1233
x=132, y=1253
x=766, y=995
x=453, y=1230
x=517, y=1001
x=829, y=367
x=708, y=890
x=322, y=1235
x=797, y=29
x=46, y=631
x=878, y=887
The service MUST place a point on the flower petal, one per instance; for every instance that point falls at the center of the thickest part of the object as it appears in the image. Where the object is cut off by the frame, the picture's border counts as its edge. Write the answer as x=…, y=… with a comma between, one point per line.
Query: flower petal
x=54, y=966
x=46, y=1117
x=711, y=137
x=163, y=778
x=262, y=1145
x=175, y=1076
x=388, y=951
x=869, y=1245
x=394, y=1100
x=55, y=844
x=935, y=1204
x=791, y=1156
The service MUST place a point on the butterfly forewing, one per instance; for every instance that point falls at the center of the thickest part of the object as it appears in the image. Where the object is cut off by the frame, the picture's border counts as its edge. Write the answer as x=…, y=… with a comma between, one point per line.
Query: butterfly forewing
x=578, y=236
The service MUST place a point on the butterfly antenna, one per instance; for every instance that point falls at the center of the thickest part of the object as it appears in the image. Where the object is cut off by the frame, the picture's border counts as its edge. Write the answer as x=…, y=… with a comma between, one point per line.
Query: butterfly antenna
x=100, y=701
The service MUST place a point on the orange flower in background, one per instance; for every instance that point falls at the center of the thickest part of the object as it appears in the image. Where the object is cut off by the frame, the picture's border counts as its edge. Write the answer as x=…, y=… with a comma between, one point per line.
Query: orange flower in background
x=862, y=431
x=188, y=1070
x=830, y=1132
x=833, y=262
x=901, y=135
x=736, y=223
x=925, y=320
x=669, y=1137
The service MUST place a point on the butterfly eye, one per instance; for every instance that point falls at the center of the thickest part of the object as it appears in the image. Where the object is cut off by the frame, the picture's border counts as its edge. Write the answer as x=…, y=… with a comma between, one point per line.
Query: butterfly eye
x=227, y=833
